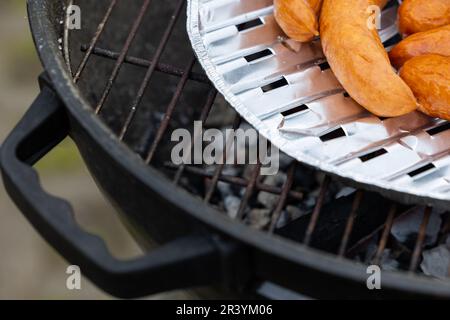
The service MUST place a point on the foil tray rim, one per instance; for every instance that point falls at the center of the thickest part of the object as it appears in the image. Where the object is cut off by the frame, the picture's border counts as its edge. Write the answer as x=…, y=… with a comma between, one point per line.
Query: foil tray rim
x=409, y=194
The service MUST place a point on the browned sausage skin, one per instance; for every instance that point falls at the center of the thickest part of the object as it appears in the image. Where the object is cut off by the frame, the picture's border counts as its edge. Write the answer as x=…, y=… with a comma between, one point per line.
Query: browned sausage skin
x=436, y=41
x=429, y=78
x=359, y=60
x=423, y=15
x=298, y=18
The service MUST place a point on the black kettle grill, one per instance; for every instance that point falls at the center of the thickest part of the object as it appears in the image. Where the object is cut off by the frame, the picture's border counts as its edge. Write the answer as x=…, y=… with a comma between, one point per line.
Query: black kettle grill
x=118, y=87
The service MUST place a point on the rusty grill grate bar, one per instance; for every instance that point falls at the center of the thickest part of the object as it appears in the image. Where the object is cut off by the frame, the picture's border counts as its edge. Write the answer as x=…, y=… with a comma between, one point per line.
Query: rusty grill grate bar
x=283, y=197
x=253, y=185
x=386, y=231
x=131, y=35
x=139, y=62
x=350, y=222
x=420, y=240
x=170, y=109
x=94, y=41
x=237, y=181
x=316, y=212
x=203, y=116
x=151, y=69
x=220, y=167
x=249, y=191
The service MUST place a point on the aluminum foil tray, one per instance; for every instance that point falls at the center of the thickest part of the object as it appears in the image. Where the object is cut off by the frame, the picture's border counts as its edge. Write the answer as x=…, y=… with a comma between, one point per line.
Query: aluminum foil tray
x=288, y=93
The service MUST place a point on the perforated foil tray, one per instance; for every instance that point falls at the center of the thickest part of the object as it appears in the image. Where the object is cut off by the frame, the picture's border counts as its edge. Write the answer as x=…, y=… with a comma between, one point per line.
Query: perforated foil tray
x=288, y=93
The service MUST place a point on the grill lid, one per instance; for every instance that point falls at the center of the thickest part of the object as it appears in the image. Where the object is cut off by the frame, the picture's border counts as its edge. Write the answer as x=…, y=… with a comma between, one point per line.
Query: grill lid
x=287, y=91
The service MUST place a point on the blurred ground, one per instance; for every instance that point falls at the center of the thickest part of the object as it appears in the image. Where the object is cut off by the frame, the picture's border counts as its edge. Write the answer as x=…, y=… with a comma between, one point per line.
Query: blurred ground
x=29, y=268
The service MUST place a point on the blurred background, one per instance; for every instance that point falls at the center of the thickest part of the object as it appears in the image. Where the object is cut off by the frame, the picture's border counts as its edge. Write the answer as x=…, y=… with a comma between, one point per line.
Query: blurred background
x=29, y=268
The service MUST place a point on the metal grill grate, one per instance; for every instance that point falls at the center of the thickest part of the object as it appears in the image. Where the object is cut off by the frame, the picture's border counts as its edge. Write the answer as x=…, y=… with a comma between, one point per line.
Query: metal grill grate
x=252, y=183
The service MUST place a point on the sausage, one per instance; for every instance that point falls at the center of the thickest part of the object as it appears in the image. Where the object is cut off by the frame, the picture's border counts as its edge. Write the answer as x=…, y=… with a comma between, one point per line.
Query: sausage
x=429, y=78
x=436, y=41
x=298, y=18
x=423, y=15
x=316, y=5
x=359, y=61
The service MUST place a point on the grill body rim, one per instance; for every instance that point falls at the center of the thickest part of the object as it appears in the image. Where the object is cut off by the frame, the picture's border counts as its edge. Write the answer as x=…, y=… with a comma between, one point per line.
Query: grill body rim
x=273, y=258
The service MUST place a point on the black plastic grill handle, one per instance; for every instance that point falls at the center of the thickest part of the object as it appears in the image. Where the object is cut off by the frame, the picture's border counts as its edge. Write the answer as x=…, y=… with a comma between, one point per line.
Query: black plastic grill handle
x=191, y=261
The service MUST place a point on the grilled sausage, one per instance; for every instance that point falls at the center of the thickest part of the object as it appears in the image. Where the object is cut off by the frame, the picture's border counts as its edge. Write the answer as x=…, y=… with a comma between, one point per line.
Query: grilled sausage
x=429, y=78
x=423, y=15
x=359, y=60
x=298, y=18
x=436, y=41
